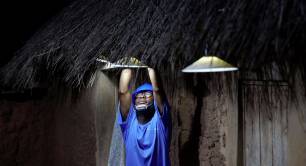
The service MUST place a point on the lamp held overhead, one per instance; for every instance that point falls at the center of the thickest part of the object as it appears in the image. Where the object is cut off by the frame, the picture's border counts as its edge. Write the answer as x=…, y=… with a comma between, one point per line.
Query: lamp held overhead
x=127, y=62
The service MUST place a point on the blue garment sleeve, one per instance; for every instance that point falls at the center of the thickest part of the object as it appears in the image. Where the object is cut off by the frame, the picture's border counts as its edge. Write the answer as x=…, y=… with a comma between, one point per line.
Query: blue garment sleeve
x=124, y=124
x=166, y=120
x=166, y=115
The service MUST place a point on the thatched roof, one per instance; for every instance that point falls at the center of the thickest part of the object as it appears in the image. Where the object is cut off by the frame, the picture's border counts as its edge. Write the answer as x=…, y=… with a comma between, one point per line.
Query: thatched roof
x=167, y=34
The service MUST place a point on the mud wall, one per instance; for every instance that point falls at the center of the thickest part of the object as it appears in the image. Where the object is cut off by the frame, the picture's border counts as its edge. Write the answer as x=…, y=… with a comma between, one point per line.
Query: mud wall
x=296, y=139
x=25, y=133
x=297, y=126
x=204, y=119
x=70, y=131
x=74, y=131
x=47, y=131
x=105, y=99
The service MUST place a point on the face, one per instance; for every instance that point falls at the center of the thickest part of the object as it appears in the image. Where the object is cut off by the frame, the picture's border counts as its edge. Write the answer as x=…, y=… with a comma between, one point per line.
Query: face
x=144, y=98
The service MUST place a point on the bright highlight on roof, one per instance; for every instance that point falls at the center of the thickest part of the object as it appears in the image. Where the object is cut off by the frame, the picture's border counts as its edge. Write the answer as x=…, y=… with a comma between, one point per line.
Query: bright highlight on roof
x=209, y=64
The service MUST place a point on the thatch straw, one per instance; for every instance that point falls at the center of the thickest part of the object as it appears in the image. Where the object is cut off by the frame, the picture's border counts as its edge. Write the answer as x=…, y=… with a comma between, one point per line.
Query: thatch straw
x=168, y=35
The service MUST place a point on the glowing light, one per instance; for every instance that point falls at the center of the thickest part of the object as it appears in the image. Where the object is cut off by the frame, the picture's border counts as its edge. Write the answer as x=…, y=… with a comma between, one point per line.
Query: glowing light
x=209, y=64
x=122, y=63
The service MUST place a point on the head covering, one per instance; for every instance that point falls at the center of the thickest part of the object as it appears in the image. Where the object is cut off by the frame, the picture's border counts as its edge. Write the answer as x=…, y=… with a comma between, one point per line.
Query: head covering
x=142, y=88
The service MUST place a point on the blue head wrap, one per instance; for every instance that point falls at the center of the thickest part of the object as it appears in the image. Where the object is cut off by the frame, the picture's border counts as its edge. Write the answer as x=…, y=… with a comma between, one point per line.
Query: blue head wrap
x=142, y=88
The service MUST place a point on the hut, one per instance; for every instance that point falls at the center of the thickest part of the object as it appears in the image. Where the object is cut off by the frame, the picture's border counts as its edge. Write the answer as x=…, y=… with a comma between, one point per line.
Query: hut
x=58, y=108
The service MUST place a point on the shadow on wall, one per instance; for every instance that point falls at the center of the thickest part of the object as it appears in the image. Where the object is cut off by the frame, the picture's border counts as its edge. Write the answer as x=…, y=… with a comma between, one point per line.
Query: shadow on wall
x=189, y=153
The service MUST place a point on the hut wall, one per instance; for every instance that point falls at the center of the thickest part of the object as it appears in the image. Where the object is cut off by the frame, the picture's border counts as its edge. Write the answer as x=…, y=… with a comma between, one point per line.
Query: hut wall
x=79, y=132
x=75, y=135
x=296, y=139
x=54, y=130
x=265, y=123
x=203, y=132
x=204, y=120
x=60, y=131
x=218, y=141
x=273, y=129
x=297, y=126
x=26, y=131
x=105, y=99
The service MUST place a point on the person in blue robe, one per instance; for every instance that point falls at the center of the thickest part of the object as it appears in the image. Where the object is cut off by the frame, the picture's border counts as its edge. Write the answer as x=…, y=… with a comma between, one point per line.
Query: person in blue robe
x=145, y=122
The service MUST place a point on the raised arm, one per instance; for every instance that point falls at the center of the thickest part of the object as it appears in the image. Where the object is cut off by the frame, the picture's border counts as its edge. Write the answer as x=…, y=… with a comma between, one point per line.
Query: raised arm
x=158, y=97
x=124, y=93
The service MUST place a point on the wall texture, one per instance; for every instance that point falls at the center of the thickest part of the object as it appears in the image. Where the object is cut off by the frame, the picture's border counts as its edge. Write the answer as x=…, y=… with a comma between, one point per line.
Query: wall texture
x=297, y=127
x=203, y=132
x=75, y=132
x=26, y=136
x=105, y=98
x=218, y=141
x=78, y=132
x=58, y=131
x=204, y=119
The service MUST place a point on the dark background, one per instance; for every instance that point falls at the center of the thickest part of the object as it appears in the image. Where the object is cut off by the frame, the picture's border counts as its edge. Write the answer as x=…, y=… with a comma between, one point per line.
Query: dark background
x=21, y=19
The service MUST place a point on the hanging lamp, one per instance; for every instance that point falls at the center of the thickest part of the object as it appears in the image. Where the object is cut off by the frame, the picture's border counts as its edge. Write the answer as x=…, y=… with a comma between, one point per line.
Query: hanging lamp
x=209, y=64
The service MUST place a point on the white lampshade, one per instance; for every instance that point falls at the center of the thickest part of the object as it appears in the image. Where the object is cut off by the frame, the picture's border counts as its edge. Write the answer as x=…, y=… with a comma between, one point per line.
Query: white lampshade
x=209, y=64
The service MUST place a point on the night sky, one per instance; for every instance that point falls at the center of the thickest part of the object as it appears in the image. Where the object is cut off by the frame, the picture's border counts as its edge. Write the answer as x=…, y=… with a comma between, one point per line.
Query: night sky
x=21, y=19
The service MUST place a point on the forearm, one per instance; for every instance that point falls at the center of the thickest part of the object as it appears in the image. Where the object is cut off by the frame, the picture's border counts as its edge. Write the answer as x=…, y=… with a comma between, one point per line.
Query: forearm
x=125, y=78
x=156, y=89
x=124, y=93
x=153, y=79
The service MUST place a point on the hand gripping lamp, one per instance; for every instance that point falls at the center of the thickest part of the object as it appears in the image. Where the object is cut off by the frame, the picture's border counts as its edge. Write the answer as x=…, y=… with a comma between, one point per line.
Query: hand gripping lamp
x=122, y=63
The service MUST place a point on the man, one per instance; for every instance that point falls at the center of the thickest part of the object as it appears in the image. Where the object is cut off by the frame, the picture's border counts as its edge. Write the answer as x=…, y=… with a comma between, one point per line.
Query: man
x=145, y=122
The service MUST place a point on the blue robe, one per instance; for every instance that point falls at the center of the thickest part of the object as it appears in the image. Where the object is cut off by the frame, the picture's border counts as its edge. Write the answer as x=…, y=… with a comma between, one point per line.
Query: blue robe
x=147, y=144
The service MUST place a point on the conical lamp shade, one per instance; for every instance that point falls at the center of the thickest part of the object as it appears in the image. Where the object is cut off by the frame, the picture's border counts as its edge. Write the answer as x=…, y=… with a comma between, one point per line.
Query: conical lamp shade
x=209, y=64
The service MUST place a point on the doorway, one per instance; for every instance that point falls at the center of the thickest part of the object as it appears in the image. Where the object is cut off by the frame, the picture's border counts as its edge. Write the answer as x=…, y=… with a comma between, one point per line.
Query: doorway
x=264, y=118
